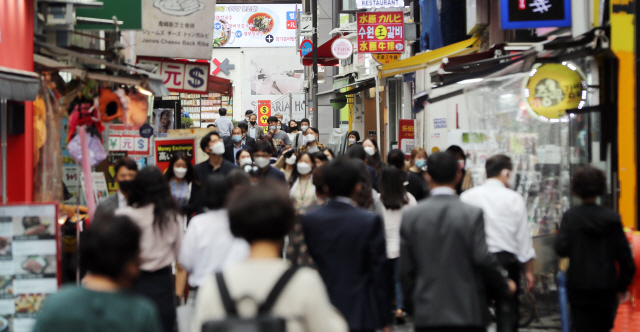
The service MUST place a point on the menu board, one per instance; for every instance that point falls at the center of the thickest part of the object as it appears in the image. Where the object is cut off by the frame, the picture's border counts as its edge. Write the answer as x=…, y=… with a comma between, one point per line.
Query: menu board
x=28, y=263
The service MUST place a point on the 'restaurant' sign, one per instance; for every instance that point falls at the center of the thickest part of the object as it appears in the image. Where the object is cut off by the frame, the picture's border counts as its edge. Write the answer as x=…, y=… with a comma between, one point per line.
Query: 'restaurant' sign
x=182, y=75
x=176, y=29
x=361, y=4
x=523, y=14
x=380, y=32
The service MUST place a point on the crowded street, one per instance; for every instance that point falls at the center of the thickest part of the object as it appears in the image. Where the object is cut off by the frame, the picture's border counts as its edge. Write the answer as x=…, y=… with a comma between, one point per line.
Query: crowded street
x=319, y=166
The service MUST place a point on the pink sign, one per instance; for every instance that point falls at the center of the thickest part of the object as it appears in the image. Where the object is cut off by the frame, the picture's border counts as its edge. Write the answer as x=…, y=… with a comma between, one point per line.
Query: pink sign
x=341, y=48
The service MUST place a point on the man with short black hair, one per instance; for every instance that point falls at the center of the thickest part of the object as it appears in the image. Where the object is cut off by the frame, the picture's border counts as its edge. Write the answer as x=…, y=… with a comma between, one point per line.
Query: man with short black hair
x=280, y=138
x=247, y=117
x=507, y=231
x=224, y=124
x=246, y=139
x=445, y=264
x=262, y=159
x=213, y=145
x=235, y=145
x=348, y=246
x=125, y=171
x=302, y=139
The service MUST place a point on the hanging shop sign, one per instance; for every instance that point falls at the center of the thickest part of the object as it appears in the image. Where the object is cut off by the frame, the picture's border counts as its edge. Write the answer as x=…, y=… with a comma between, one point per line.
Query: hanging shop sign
x=127, y=138
x=264, y=25
x=386, y=58
x=528, y=14
x=306, y=47
x=264, y=112
x=380, y=32
x=552, y=89
x=341, y=48
x=363, y=4
x=165, y=148
x=100, y=188
x=406, y=136
x=182, y=75
x=176, y=29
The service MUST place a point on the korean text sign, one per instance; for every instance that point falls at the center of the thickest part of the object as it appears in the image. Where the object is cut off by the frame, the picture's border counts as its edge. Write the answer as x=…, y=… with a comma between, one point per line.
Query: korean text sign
x=380, y=32
x=264, y=25
x=128, y=139
x=165, y=148
x=182, y=75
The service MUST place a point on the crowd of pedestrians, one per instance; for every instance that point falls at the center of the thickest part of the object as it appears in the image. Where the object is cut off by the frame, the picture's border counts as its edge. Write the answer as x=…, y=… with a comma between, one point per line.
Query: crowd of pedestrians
x=275, y=224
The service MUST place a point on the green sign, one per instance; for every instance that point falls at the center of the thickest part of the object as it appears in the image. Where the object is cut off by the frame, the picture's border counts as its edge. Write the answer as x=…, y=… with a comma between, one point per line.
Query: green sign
x=127, y=11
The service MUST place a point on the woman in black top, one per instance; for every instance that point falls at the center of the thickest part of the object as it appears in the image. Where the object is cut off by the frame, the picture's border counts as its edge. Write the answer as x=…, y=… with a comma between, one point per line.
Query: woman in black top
x=592, y=238
x=413, y=183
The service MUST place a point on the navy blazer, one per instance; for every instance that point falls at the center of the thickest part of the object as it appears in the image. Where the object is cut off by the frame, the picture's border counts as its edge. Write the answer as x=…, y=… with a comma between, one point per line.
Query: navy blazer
x=348, y=246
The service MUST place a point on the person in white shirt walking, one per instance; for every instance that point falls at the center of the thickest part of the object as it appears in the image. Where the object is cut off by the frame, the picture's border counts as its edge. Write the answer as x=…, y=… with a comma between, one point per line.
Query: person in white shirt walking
x=224, y=124
x=507, y=231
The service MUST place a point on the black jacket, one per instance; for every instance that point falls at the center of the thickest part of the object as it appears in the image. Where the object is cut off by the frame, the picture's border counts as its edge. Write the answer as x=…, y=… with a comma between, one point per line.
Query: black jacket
x=230, y=156
x=593, y=239
x=416, y=185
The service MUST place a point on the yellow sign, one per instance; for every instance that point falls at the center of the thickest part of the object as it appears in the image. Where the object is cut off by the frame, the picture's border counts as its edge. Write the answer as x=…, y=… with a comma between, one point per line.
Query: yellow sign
x=381, y=32
x=263, y=119
x=435, y=149
x=386, y=58
x=552, y=89
x=264, y=109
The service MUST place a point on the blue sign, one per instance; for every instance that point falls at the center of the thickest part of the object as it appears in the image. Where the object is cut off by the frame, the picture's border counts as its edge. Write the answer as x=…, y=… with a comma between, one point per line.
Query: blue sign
x=146, y=130
x=529, y=14
x=291, y=16
x=238, y=34
x=218, y=26
x=306, y=47
x=439, y=123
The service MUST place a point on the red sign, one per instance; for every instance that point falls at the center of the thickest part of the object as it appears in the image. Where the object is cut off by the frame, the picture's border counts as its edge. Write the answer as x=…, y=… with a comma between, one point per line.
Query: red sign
x=264, y=112
x=182, y=75
x=166, y=147
x=380, y=32
x=127, y=138
x=406, y=136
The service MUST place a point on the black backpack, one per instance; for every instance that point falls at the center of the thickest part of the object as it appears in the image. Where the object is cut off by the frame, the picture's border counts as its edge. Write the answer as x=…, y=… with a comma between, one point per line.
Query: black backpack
x=263, y=322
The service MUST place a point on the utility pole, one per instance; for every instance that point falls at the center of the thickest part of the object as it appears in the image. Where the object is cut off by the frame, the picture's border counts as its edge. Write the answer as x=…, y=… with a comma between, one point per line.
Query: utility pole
x=314, y=41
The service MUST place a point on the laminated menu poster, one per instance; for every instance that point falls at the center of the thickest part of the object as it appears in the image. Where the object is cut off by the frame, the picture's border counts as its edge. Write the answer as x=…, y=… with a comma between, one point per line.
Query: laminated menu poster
x=28, y=263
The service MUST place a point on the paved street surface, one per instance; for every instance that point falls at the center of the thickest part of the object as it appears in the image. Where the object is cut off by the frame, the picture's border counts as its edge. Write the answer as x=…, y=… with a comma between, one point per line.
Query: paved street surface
x=550, y=324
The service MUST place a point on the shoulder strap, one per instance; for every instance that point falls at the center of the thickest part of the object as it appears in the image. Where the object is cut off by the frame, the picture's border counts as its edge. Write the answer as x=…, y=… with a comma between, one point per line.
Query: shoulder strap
x=277, y=289
x=229, y=305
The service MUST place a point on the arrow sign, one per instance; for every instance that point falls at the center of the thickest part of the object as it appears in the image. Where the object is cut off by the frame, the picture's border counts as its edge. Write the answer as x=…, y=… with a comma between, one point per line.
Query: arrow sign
x=306, y=47
x=224, y=67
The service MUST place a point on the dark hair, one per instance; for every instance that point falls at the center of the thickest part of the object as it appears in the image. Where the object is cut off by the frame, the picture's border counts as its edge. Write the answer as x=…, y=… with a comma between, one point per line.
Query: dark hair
x=211, y=126
x=333, y=155
x=376, y=157
x=243, y=126
x=263, y=146
x=393, y=194
x=149, y=187
x=222, y=111
x=354, y=133
x=442, y=167
x=273, y=119
x=242, y=150
x=297, y=124
x=213, y=192
x=321, y=156
x=588, y=182
x=237, y=178
x=180, y=155
x=275, y=219
x=496, y=164
x=109, y=244
x=234, y=128
x=125, y=162
x=253, y=114
x=318, y=179
x=269, y=139
x=457, y=151
x=342, y=176
x=364, y=199
x=248, y=112
x=396, y=158
x=305, y=120
x=315, y=130
x=356, y=151
x=294, y=174
x=204, y=142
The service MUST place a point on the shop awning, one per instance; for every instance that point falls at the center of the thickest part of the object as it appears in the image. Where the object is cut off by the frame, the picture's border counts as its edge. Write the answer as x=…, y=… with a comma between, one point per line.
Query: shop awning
x=422, y=61
x=325, y=57
x=220, y=85
x=18, y=85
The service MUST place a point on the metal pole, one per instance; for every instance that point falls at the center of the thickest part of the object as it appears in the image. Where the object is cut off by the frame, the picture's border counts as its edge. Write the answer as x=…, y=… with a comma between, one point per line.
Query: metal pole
x=3, y=119
x=378, y=110
x=314, y=40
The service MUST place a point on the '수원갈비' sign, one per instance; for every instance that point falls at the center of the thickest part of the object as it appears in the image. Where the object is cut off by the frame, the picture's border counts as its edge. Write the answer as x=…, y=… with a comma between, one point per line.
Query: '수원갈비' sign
x=380, y=32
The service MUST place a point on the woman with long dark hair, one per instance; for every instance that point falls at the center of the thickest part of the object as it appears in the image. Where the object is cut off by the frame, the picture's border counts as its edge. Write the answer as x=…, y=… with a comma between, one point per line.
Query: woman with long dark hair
x=395, y=199
x=374, y=160
x=155, y=211
x=413, y=183
x=183, y=182
x=303, y=195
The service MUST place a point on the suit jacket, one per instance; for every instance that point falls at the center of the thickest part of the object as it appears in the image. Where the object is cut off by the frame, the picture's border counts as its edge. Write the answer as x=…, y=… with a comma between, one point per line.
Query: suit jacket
x=230, y=156
x=250, y=142
x=108, y=205
x=445, y=265
x=348, y=246
x=259, y=132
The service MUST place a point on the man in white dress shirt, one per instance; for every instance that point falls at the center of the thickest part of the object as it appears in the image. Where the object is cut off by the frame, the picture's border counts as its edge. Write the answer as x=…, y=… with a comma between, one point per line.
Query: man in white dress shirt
x=507, y=230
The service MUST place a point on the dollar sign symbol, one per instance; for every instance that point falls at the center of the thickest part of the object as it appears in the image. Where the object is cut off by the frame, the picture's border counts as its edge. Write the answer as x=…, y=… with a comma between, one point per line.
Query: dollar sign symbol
x=197, y=80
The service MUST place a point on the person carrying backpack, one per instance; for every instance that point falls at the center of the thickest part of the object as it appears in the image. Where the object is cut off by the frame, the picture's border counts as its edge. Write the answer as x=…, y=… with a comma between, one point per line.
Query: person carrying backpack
x=263, y=293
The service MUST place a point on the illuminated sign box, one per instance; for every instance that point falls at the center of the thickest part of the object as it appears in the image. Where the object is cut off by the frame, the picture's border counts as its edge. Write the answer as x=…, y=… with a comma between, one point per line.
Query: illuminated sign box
x=529, y=14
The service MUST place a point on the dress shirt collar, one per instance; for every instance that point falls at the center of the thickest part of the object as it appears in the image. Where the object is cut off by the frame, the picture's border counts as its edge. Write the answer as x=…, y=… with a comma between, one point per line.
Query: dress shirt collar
x=442, y=191
x=494, y=183
x=345, y=200
x=122, y=201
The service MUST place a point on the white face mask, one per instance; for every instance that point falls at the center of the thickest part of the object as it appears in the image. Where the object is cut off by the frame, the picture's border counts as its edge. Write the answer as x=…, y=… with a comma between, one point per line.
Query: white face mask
x=180, y=172
x=262, y=162
x=370, y=150
x=245, y=161
x=217, y=148
x=304, y=128
x=310, y=138
x=291, y=160
x=303, y=168
x=352, y=141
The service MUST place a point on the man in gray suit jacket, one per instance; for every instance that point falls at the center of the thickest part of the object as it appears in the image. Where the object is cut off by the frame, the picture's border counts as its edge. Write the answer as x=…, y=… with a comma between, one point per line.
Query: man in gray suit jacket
x=125, y=171
x=446, y=268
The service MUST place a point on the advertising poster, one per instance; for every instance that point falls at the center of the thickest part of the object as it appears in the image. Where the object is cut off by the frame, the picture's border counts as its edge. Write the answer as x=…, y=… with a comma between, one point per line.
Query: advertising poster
x=182, y=75
x=166, y=147
x=176, y=29
x=28, y=263
x=128, y=139
x=255, y=25
x=406, y=137
x=162, y=121
x=380, y=32
x=113, y=157
x=100, y=188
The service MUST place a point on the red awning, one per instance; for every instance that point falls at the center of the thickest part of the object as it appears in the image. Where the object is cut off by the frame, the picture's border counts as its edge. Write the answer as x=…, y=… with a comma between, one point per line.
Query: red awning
x=325, y=57
x=220, y=85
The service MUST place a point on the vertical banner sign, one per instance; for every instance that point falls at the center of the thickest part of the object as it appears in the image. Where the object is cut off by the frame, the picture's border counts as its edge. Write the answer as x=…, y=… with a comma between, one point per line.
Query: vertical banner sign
x=176, y=29
x=182, y=75
x=128, y=139
x=380, y=32
x=165, y=148
x=264, y=112
x=406, y=137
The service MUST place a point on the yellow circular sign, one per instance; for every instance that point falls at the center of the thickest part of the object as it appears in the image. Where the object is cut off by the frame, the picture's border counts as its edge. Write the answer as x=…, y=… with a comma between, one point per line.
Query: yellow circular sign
x=435, y=149
x=552, y=89
x=386, y=58
x=264, y=109
x=381, y=32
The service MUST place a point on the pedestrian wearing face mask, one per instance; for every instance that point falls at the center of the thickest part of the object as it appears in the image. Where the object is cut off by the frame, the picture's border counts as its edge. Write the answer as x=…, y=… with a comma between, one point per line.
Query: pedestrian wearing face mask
x=212, y=145
x=287, y=162
x=374, y=160
x=255, y=131
x=294, y=132
x=312, y=144
x=247, y=117
x=126, y=170
x=301, y=139
x=243, y=157
x=182, y=182
x=247, y=140
x=280, y=138
x=467, y=181
x=262, y=159
x=303, y=194
x=353, y=137
x=236, y=145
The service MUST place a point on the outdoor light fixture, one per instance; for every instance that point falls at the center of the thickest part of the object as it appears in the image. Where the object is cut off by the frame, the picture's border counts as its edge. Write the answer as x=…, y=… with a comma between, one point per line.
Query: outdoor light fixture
x=339, y=102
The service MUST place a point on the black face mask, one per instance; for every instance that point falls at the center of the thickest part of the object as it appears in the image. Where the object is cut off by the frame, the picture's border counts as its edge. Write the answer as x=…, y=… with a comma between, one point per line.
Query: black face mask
x=125, y=186
x=293, y=128
x=253, y=123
